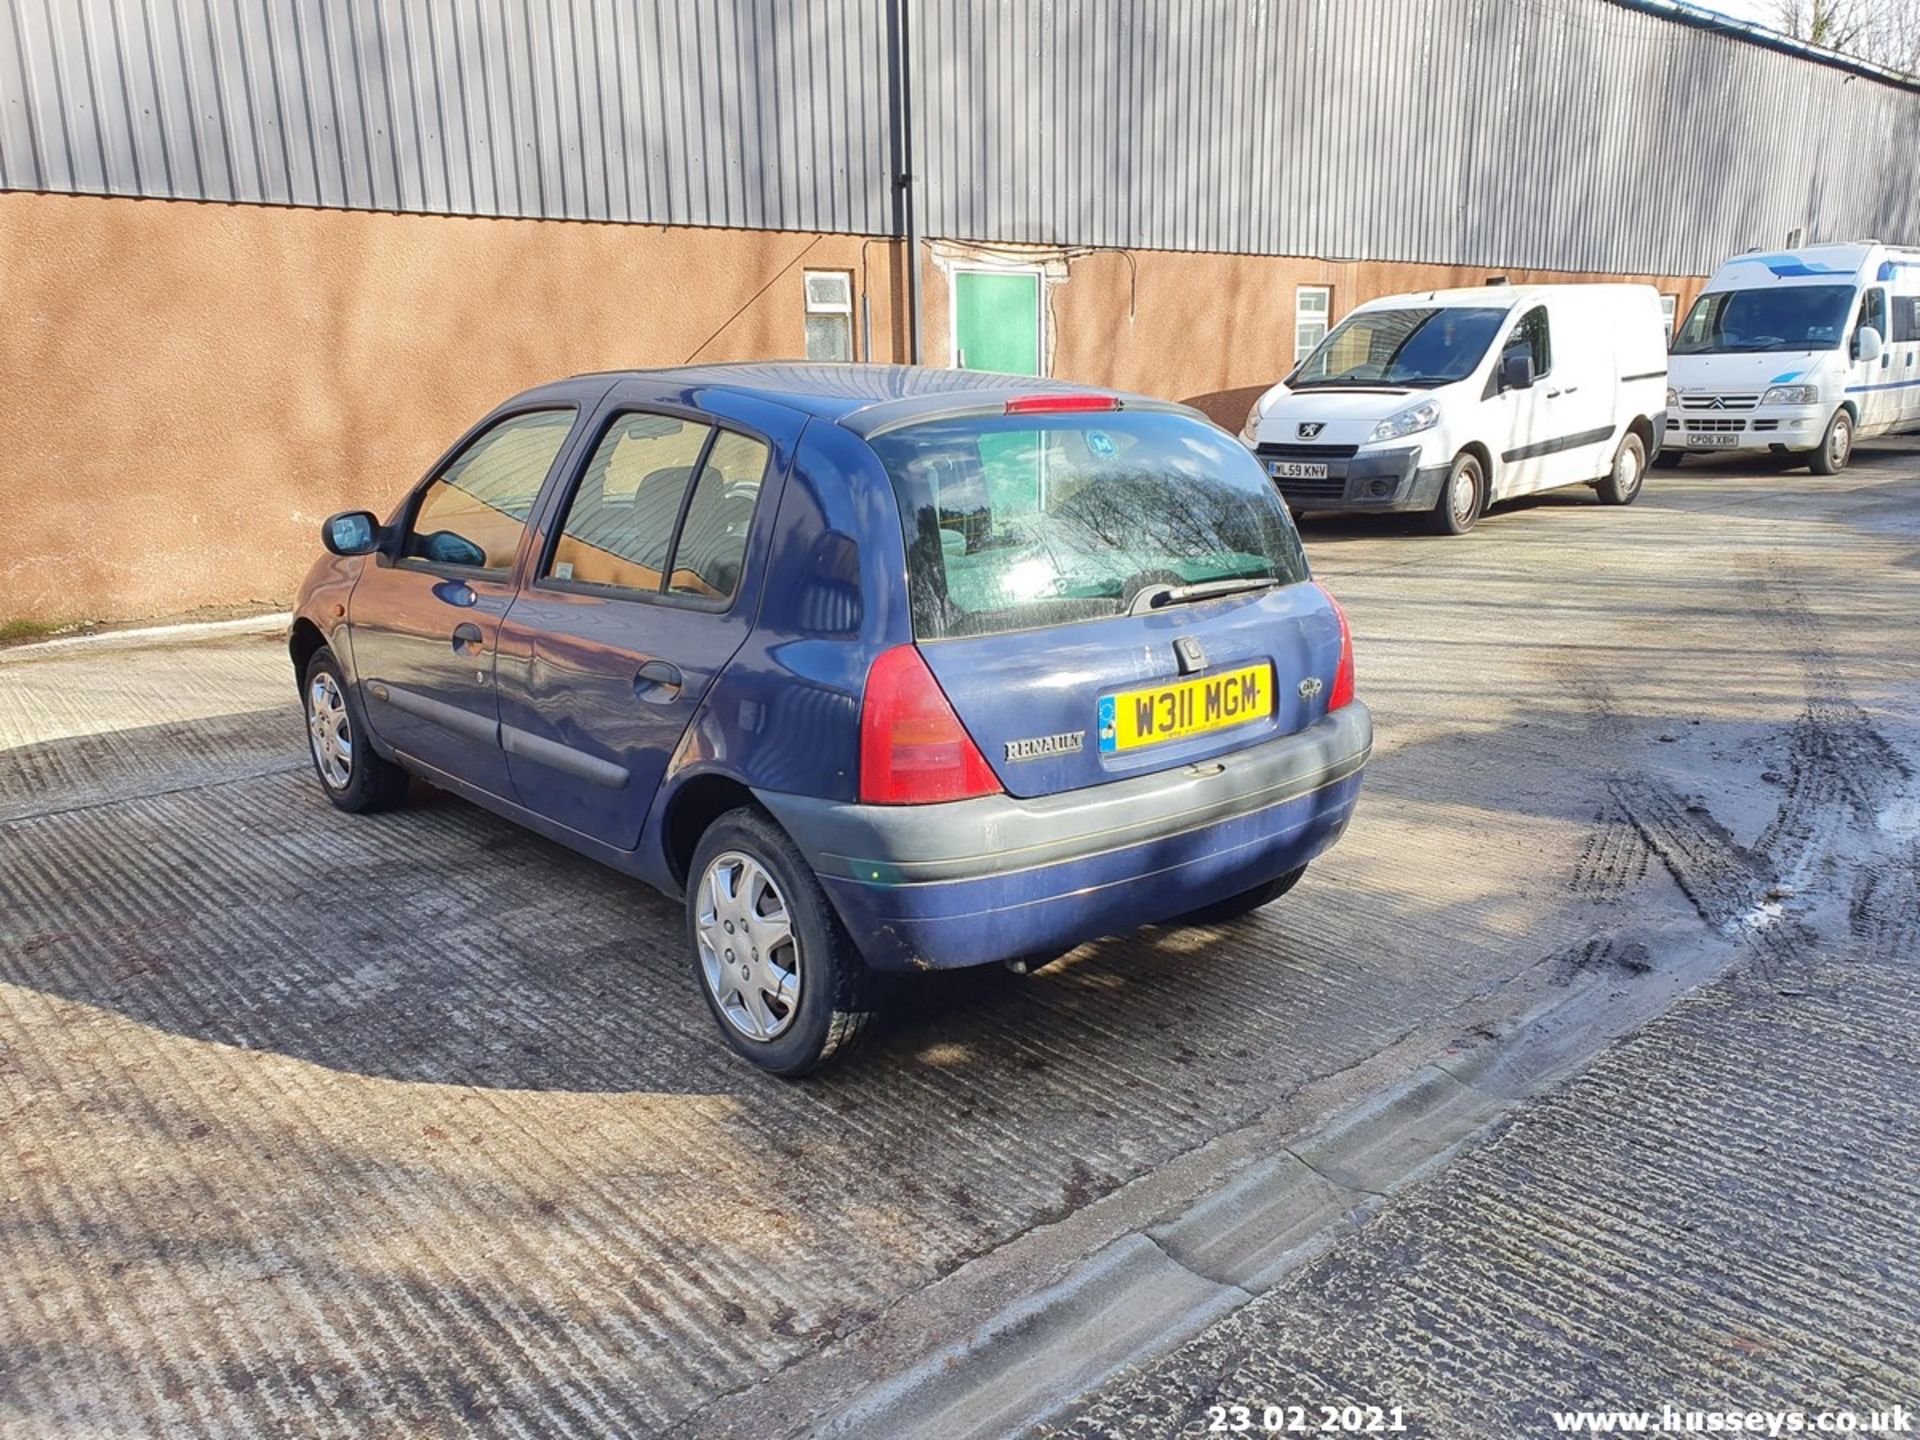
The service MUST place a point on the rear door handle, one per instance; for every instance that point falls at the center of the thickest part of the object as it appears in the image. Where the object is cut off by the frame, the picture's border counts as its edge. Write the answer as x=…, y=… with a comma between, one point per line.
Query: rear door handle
x=467, y=640
x=658, y=683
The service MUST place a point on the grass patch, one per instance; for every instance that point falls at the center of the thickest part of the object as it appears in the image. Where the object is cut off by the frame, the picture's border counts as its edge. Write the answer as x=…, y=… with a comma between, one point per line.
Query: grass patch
x=18, y=632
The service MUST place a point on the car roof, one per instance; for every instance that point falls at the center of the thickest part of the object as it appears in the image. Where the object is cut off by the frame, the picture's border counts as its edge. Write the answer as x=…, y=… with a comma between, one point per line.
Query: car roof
x=866, y=399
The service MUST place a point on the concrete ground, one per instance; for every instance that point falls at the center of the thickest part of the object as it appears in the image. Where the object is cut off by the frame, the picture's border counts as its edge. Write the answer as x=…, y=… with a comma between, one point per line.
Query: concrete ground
x=415, y=1124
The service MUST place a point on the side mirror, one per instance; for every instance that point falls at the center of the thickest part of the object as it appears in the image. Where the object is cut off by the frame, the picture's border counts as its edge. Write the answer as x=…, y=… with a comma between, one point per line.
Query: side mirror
x=351, y=532
x=1516, y=372
x=1868, y=344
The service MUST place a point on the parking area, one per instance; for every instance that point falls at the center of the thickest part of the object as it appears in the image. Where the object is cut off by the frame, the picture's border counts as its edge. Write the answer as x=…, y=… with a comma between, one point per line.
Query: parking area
x=416, y=1124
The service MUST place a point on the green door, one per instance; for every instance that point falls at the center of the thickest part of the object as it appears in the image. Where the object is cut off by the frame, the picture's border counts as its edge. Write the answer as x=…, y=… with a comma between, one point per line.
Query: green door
x=996, y=321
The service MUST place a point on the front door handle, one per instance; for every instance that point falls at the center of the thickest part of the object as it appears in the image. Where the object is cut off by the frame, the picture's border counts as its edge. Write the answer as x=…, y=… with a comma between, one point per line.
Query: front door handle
x=467, y=640
x=658, y=683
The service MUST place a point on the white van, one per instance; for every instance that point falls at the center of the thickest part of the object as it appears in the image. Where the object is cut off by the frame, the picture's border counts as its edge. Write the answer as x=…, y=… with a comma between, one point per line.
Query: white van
x=1446, y=401
x=1801, y=352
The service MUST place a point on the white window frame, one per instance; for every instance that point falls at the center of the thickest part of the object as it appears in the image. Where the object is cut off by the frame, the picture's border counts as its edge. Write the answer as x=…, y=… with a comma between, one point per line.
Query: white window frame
x=1670, y=308
x=1323, y=317
x=821, y=307
x=1039, y=273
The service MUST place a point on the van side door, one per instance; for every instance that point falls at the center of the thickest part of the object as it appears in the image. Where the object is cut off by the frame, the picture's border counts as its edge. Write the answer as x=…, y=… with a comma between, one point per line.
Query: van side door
x=1523, y=420
x=1875, y=384
x=1903, y=346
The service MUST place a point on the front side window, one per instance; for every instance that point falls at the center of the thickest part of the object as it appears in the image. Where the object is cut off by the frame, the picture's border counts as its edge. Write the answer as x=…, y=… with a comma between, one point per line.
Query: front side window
x=619, y=526
x=1780, y=317
x=1312, y=307
x=1417, y=347
x=829, y=315
x=475, y=511
x=1022, y=521
x=1531, y=338
x=1873, y=312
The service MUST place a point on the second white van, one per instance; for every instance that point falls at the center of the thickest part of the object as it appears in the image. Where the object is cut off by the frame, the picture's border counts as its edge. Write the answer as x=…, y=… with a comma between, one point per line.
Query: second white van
x=1800, y=352
x=1446, y=401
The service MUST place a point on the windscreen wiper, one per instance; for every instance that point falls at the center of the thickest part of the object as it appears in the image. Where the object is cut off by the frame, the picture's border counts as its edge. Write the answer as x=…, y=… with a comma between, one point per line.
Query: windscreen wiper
x=1157, y=597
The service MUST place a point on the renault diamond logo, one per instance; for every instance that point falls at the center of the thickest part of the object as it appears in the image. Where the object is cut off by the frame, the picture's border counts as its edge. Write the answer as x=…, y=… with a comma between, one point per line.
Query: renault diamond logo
x=1309, y=429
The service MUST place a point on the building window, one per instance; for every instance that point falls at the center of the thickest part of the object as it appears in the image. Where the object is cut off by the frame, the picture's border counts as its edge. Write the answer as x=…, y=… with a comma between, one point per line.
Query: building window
x=1668, y=305
x=829, y=314
x=1312, y=304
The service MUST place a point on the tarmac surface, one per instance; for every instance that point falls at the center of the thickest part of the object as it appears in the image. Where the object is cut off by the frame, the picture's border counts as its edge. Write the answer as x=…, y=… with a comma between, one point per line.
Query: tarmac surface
x=416, y=1125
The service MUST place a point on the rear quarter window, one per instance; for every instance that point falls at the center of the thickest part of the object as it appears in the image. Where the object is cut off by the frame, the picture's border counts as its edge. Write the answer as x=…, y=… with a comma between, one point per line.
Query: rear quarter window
x=1021, y=522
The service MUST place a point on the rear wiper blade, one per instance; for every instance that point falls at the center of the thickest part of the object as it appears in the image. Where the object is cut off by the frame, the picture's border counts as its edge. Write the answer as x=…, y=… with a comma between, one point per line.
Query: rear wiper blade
x=1156, y=597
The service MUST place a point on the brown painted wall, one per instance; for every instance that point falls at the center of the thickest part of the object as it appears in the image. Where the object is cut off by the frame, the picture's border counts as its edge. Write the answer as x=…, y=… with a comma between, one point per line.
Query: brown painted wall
x=191, y=388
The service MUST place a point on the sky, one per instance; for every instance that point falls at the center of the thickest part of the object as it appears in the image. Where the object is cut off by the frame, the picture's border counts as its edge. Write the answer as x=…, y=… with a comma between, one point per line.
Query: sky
x=1757, y=12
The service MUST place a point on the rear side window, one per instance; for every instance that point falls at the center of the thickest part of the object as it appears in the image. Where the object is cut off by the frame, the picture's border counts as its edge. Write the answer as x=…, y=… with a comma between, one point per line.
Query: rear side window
x=475, y=511
x=665, y=505
x=619, y=526
x=1023, y=521
x=713, y=538
x=1906, y=317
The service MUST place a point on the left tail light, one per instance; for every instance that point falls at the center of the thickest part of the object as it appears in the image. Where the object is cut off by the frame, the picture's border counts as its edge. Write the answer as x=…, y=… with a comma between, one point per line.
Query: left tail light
x=1343, y=675
x=913, y=748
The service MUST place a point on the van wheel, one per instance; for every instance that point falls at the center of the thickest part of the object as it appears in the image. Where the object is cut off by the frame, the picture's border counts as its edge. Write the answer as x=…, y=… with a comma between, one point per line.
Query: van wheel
x=1669, y=459
x=1462, y=498
x=1245, y=903
x=1836, y=449
x=1621, y=484
x=780, y=973
x=355, y=779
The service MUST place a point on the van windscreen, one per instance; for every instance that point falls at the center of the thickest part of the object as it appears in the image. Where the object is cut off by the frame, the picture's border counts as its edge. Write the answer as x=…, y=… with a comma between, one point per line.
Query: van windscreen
x=1415, y=346
x=1779, y=317
x=1022, y=521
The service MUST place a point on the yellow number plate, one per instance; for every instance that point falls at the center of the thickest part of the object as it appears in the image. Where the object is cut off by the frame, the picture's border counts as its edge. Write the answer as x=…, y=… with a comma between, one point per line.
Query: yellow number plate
x=1188, y=707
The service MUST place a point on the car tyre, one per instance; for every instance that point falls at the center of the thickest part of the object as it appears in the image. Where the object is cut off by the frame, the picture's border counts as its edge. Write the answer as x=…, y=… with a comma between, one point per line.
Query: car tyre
x=355, y=778
x=1621, y=484
x=1245, y=903
x=1463, y=499
x=748, y=875
x=1836, y=446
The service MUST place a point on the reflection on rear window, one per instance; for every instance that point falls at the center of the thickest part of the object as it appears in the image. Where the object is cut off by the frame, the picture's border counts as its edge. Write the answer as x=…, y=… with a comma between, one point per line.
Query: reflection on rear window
x=1023, y=521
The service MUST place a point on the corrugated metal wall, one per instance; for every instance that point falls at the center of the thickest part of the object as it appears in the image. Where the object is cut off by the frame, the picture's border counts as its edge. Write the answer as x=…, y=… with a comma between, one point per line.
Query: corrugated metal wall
x=1569, y=134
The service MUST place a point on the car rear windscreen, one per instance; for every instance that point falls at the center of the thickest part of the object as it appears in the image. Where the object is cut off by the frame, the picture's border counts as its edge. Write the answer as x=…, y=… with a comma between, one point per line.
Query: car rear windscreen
x=1022, y=521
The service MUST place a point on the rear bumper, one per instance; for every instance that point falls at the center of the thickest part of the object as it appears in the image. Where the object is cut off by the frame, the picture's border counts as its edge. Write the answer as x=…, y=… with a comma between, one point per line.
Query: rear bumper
x=1375, y=480
x=977, y=881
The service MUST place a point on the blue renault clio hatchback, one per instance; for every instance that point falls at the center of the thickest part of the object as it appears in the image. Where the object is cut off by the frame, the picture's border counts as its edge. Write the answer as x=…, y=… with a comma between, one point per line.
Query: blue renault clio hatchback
x=879, y=668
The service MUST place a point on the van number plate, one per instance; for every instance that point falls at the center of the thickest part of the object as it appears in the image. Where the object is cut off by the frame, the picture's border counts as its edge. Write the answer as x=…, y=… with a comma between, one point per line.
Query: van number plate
x=1295, y=470
x=1713, y=440
x=1134, y=718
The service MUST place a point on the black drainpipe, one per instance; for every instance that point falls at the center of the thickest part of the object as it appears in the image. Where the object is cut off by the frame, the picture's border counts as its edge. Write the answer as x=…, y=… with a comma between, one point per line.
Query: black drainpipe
x=904, y=180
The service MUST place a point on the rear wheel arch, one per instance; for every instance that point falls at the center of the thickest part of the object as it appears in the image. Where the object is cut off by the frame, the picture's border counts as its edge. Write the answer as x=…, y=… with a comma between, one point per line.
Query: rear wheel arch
x=1643, y=427
x=691, y=810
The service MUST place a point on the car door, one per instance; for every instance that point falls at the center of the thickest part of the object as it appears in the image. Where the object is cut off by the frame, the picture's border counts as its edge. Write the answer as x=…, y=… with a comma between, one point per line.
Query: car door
x=1875, y=384
x=1523, y=419
x=426, y=614
x=639, y=592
